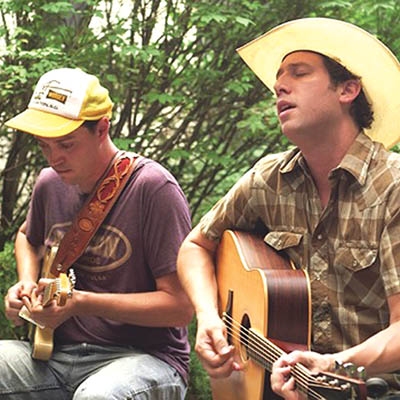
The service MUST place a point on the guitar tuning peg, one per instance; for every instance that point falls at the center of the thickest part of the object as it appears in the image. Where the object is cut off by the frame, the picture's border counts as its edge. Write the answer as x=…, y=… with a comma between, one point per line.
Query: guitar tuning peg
x=334, y=382
x=339, y=367
x=72, y=277
x=350, y=369
x=321, y=379
x=361, y=373
x=338, y=364
x=345, y=387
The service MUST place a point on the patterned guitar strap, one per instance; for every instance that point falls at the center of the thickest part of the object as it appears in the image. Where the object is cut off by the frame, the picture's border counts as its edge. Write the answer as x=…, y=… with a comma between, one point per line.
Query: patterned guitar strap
x=94, y=211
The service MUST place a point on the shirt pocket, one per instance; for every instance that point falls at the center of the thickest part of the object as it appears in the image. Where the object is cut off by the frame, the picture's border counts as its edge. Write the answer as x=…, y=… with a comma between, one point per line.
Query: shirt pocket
x=355, y=257
x=282, y=240
x=357, y=275
x=288, y=242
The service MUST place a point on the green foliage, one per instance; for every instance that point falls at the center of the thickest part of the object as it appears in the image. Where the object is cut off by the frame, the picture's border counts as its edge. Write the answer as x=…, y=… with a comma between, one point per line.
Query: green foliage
x=182, y=94
x=8, y=277
x=199, y=385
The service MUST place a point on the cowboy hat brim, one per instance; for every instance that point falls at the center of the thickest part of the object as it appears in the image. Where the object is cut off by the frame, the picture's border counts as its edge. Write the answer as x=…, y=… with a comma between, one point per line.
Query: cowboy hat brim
x=354, y=48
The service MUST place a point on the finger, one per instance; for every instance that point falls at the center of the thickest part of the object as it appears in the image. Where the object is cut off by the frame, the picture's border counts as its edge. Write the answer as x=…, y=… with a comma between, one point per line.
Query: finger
x=12, y=304
x=27, y=302
x=217, y=353
x=43, y=282
x=298, y=356
x=12, y=314
x=217, y=363
x=34, y=297
x=223, y=370
x=280, y=375
x=289, y=391
x=280, y=362
x=26, y=288
x=282, y=383
x=289, y=385
x=220, y=343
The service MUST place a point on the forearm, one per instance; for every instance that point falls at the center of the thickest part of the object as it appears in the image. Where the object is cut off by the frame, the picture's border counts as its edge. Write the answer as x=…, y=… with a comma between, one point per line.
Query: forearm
x=196, y=272
x=379, y=354
x=154, y=309
x=28, y=268
x=27, y=258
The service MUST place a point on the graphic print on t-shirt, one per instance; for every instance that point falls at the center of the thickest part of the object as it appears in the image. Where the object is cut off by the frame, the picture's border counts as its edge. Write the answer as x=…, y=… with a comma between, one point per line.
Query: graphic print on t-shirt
x=108, y=249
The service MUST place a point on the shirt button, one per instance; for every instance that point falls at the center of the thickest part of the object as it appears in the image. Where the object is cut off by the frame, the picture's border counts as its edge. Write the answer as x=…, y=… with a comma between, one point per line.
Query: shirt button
x=319, y=237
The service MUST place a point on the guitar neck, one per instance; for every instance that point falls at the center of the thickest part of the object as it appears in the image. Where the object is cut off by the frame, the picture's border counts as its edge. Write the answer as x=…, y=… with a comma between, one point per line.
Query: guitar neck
x=49, y=292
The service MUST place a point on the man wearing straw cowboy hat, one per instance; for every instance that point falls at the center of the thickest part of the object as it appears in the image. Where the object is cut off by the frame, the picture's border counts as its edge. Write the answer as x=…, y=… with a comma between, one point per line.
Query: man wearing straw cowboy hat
x=331, y=203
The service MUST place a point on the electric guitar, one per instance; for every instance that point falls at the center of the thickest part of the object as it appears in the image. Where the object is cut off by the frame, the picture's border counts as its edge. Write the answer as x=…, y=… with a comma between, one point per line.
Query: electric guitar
x=265, y=303
x=59, y=289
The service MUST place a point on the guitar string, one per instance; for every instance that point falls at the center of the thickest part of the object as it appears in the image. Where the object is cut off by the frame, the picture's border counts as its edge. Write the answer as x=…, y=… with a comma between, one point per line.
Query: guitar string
x=302, y=375
x=269, y=351
x=300, y=379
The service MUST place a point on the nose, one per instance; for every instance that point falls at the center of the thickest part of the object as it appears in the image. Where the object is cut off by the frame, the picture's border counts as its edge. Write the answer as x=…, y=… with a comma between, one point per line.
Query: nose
x=54, y=156
x=281, y=85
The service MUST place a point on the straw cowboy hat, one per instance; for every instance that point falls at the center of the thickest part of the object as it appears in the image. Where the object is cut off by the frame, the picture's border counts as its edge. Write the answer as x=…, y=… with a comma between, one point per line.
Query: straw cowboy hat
x=354, y=48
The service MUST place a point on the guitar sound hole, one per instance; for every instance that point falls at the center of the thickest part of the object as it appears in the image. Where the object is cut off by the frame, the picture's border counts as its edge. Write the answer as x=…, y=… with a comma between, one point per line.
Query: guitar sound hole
x=245, y=337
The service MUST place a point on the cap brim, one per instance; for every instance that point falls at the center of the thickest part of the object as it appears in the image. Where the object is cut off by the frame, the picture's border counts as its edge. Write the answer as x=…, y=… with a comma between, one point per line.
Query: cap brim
x=43, y=124
x=354, y=48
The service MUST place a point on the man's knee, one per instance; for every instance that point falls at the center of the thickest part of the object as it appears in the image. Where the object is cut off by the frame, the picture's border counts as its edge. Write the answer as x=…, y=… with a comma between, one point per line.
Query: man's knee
x=150, y=393
x=150, y=390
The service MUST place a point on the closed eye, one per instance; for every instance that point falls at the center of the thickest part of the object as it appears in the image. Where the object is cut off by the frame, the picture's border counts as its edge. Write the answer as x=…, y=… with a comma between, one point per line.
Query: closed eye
x=66, y=146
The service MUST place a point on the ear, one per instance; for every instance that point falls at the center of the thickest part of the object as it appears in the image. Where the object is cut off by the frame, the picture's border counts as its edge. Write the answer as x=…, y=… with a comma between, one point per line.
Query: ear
x=103, y=127
x=349, y=90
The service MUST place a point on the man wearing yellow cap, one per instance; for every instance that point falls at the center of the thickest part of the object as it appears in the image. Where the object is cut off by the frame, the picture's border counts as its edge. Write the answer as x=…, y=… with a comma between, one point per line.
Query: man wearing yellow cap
x=123, y=333
x=331, y=204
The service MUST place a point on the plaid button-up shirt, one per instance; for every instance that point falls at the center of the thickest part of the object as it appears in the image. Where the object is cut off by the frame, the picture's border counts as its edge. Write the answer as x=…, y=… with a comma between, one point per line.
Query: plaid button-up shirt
x=351, y=248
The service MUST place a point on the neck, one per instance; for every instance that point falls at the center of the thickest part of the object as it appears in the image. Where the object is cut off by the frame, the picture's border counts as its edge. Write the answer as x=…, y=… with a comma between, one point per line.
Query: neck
x=106, y=157
x=322, y=156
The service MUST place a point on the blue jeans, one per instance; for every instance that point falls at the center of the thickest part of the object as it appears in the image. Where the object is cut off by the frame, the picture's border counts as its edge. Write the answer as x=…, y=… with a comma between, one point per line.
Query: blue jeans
x=84, y=371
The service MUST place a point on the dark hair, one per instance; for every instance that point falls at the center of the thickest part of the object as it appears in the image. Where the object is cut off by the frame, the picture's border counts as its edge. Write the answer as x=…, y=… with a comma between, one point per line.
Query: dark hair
x=361, y=109
x=90, y=125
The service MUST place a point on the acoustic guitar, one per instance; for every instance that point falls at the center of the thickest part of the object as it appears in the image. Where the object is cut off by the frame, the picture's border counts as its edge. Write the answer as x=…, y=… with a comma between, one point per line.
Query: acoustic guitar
x=265, y=303
x=59, y=289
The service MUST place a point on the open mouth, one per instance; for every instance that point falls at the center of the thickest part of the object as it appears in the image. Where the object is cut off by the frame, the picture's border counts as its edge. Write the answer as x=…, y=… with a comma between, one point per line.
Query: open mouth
x=283, y=106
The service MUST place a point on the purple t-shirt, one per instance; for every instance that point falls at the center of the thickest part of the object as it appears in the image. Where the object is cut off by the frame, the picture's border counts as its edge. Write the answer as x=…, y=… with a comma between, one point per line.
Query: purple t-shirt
x=137, y=243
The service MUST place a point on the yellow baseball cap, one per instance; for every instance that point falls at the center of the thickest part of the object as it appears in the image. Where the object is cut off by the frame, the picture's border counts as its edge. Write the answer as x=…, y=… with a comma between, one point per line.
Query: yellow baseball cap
x=62, y=101
x=354, y=48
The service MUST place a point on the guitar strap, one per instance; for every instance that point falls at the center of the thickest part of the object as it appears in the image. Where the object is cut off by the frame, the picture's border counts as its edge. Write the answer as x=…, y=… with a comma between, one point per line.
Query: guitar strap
x=94, y=211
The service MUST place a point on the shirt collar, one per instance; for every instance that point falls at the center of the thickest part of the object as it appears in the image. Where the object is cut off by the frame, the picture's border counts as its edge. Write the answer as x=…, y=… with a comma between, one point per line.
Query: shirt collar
x=356, y=161
x=358, y=158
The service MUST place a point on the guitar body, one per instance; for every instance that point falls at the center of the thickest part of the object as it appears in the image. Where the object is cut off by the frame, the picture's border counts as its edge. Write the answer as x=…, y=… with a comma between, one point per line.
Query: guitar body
x=263, y=293
x=42, y=343
x=58, y=289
